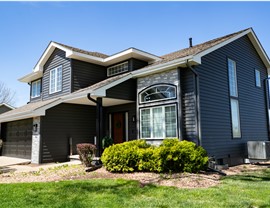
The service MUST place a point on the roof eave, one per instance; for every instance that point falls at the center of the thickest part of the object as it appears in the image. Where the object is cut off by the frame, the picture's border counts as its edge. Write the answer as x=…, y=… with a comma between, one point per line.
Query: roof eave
x=181, y=62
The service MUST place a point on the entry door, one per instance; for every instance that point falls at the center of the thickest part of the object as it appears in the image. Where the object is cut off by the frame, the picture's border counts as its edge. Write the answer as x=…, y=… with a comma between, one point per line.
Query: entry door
x=118, y=123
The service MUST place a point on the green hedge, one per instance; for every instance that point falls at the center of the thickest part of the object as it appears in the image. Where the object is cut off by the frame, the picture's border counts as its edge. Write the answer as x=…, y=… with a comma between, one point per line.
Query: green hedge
x=171, y=156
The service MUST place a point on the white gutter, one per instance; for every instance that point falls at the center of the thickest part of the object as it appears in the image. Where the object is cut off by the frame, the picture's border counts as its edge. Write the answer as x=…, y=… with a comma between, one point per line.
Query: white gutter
x=166, y=66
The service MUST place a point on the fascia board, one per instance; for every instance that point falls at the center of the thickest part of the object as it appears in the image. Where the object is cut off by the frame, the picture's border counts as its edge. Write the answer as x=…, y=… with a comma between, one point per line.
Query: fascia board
x=47, y=53
x=165, y=66
x=30, y=77
x=19, y=116
x=74, y=54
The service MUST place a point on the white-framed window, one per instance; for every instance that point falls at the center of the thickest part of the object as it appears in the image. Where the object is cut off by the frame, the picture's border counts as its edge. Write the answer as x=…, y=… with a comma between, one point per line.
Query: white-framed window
x=117, y=69
x=235, y=118
x=157, y=93
x=56, y=79
x=232, y=78
x=258, y=78
x=35, y=89
x=235, y=113
x=158, y=122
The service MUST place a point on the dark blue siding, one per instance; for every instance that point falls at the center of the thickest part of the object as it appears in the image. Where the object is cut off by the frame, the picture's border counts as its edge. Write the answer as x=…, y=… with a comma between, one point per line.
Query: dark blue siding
x=85, y=74
x=57, y=58
x=215, y=100
x=62, y=122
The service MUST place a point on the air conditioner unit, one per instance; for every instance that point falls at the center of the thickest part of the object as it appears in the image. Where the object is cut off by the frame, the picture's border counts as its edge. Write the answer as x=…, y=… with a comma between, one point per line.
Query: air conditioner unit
x=258, y=150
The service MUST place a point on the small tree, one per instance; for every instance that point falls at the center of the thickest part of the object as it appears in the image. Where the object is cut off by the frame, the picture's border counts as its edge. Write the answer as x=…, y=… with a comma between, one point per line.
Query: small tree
x=6, y=94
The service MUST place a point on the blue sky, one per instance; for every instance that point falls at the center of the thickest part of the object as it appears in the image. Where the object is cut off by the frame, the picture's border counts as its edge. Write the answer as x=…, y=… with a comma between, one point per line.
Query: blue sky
x=26, y=28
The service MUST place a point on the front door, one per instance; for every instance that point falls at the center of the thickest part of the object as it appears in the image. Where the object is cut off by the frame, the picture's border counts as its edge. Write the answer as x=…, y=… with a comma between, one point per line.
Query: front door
x=118, y=130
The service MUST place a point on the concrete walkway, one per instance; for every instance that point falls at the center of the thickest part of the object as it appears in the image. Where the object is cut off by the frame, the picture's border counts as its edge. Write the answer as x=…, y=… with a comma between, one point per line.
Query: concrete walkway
x=8, y=161
x=11, y=164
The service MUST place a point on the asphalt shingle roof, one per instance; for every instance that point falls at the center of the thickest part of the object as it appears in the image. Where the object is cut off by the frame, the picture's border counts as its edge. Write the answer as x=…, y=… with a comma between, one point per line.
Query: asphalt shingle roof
x=91, y=53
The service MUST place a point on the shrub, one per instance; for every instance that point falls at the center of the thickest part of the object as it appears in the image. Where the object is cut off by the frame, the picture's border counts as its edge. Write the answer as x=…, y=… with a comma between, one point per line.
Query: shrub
x=86, y=152
x=123, y=157
x=180, y=156
x=106, y=142
x=171, y=156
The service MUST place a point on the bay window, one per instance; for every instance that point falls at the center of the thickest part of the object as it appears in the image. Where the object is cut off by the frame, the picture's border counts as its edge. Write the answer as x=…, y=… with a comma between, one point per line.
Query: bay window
x=35, y=89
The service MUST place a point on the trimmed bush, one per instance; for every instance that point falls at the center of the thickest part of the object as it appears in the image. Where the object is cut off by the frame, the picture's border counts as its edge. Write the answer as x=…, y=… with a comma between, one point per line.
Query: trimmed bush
x=123, y=157
x=86, y=152
x=171, y=156
x=180, y=156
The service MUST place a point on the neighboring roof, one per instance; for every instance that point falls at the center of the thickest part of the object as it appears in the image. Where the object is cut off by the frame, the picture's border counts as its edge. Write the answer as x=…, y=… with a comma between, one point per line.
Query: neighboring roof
x=26, y=111
x=7, y=105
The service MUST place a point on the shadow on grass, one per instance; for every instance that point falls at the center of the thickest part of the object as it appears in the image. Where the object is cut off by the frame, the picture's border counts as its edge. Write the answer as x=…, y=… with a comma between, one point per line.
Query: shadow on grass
x=262, y=176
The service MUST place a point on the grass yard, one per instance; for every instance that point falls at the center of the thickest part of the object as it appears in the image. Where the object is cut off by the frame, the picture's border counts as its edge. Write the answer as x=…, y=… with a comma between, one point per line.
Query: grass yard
x=246, y=190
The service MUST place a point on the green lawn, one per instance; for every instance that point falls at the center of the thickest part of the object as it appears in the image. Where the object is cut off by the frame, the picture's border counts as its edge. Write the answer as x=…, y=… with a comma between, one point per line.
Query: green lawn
x=248, y=190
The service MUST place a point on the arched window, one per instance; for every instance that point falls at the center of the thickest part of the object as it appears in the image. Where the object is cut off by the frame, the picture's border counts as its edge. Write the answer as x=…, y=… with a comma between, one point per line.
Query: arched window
x=158, y=92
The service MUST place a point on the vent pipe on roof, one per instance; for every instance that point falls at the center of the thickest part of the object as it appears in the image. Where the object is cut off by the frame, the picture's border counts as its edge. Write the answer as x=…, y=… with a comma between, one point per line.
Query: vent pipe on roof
x=190, y=42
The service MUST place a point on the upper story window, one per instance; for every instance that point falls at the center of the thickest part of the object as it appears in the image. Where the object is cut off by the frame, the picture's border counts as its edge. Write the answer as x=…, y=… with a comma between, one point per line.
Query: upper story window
x=158, y=92
x=56, y=79
x=35, y=89
x=258, y=78
x=234, y=101
x=232, y=78
x=117, y=69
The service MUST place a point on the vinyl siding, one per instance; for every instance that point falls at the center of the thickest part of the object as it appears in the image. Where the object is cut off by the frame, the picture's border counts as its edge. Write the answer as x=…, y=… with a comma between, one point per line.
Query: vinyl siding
x=57, y=58
x=215, y=100
x=62, y=122
x=135, y=64
x=85, y=74
x=125, y=90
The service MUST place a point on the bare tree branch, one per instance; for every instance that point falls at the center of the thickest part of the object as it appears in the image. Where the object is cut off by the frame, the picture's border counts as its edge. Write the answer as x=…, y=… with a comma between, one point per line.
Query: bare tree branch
x=6, y=94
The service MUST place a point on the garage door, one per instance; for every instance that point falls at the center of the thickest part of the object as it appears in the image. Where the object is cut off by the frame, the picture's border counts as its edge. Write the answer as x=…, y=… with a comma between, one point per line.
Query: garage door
x=18, y=139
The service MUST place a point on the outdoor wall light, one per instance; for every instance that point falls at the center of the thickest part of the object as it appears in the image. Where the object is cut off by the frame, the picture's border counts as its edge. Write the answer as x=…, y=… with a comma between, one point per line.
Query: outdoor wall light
x=133, y=119
x=35, y=126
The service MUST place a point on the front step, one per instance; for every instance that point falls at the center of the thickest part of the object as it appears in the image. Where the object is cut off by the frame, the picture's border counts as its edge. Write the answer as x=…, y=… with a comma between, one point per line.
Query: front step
x=76, y=157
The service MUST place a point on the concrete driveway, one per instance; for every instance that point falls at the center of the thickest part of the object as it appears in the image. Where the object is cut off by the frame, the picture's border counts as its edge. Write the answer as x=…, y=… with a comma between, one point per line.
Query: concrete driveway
x=8, y=161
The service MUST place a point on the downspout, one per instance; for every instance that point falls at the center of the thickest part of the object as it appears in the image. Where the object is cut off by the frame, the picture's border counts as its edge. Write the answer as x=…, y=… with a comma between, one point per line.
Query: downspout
x=99, y=121
x=197, y=101
x=266, y=82
x=180, y=105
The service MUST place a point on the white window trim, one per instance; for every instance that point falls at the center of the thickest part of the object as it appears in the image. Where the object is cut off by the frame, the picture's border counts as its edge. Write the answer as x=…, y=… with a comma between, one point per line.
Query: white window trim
x=238, y=119
x=164, y=124
x=235, y=76
x=38, y=94
x=158, y=85
x=234, y=97
x=108, y=69
x=258, y=73
x=126, y=121
x=55, y=80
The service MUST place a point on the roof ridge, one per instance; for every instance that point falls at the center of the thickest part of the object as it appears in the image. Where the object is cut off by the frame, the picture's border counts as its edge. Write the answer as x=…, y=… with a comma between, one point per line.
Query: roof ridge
x=205, y=43
x=93, y=53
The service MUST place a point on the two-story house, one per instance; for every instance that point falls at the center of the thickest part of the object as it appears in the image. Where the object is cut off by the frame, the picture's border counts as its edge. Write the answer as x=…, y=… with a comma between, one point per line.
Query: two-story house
x=214, y=94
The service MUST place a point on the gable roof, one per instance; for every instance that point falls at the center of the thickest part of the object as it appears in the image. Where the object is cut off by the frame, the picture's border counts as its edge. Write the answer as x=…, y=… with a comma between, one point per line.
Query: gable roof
x=87, y=56
x=194, y=54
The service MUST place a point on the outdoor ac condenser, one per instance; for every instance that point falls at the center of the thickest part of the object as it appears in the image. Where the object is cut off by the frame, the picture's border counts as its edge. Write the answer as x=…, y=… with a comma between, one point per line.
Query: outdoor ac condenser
x=258, y=150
